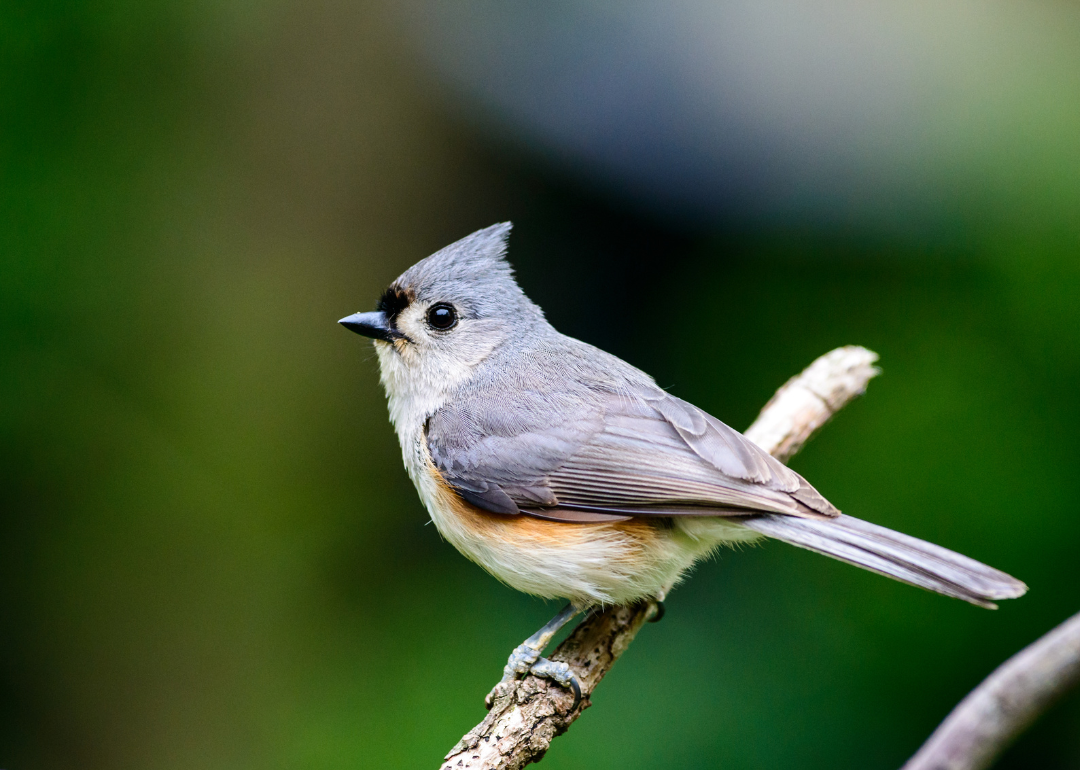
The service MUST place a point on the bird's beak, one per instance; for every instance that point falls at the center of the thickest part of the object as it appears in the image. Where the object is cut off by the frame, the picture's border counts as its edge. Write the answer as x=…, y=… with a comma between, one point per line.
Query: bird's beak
x=373, y=324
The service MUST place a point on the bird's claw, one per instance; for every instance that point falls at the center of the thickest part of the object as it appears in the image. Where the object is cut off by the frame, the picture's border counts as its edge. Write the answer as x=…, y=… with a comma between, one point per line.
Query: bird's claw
x=561, y=674
x=658, y=615
x=521, y=660
x=498, y=691
x=526, y=660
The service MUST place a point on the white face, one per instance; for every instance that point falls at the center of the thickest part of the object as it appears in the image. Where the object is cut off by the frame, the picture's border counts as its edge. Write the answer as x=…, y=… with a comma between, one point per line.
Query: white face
x=420, y=371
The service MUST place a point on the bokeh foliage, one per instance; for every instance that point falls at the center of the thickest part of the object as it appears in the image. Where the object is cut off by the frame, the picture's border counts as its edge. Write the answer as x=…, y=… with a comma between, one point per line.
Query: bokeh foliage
x=210, y=555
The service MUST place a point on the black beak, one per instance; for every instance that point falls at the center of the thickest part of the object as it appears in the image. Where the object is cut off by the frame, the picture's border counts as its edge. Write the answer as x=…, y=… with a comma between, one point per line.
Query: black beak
x=373, y=324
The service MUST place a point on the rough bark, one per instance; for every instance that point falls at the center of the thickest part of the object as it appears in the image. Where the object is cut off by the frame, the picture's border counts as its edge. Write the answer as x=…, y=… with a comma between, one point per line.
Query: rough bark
x=526, y=715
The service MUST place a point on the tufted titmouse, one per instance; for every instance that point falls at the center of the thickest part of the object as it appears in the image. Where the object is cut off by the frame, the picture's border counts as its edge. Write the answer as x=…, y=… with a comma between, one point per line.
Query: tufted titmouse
x=565, y=472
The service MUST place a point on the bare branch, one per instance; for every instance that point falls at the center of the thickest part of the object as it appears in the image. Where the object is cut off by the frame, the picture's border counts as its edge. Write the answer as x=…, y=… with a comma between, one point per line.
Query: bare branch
x=528, y=714
x=1005, y=704
x=809, y=400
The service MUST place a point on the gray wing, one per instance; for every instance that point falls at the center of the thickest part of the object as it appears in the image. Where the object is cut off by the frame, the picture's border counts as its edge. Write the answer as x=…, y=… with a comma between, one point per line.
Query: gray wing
x=607, y=455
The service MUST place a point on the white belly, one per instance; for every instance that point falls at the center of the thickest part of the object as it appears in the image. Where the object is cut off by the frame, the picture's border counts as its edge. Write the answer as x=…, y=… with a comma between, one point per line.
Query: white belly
x=589, y=564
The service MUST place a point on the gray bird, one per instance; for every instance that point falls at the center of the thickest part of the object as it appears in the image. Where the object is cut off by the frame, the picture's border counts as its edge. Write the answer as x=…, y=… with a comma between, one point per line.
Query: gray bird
x=567, y=473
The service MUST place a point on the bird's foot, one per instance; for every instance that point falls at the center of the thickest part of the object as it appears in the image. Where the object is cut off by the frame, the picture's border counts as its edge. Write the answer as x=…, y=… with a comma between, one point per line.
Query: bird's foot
x=561, y=674
x=521, y=660
x=526, y=660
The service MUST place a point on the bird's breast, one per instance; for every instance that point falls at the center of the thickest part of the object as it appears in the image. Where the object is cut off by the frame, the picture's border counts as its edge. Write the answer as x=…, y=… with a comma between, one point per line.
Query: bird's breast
x=587, y=563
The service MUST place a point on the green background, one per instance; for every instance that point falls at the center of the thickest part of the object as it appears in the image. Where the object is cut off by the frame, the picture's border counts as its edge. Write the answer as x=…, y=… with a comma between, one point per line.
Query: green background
x=210, y=556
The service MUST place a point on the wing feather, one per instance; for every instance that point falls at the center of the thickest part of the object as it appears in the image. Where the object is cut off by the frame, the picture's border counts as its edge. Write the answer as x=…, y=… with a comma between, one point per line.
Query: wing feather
x=643, y=454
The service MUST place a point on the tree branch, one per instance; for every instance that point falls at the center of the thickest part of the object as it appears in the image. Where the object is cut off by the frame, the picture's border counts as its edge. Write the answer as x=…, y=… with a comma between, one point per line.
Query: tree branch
x=527, y=714
x=1005, y=704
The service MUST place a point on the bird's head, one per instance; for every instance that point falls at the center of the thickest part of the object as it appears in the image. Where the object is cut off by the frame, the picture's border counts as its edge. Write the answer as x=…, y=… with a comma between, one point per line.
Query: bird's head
x=446, y=314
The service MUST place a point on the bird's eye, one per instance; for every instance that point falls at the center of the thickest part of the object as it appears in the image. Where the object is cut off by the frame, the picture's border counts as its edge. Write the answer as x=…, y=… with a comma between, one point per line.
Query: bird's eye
x=441, y=316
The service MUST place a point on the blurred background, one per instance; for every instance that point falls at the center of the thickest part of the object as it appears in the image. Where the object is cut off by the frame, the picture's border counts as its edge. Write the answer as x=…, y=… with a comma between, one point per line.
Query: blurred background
x=210, y=555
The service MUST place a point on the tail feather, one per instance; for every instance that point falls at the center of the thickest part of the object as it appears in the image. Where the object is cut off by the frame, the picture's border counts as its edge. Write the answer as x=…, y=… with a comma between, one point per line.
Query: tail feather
x=894, y=555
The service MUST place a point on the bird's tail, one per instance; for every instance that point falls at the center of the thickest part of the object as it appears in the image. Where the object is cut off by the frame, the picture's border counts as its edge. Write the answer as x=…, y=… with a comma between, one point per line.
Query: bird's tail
x=893, y=554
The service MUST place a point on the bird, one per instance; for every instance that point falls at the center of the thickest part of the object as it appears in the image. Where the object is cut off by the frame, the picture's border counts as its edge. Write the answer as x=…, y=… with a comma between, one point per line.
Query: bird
x=568, y=473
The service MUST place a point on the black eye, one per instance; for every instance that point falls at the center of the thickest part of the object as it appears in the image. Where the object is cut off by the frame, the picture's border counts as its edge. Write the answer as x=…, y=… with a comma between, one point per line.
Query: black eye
x=442, y=316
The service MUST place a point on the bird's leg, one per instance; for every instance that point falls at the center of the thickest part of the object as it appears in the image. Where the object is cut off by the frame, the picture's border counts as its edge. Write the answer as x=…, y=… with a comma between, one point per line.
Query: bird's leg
x=525, y=659
x=526, y=654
